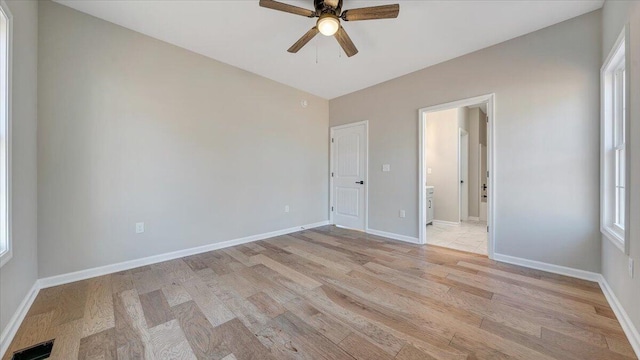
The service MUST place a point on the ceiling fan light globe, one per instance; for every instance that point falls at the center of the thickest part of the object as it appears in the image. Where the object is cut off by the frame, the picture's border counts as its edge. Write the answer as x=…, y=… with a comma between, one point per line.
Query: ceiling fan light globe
x=328, y=25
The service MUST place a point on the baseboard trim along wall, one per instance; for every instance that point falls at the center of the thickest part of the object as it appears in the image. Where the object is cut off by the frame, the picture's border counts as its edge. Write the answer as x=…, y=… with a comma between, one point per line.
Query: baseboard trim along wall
x=131, y=264
x=12, y=327
x=625, y=321
x=14, y=323
x=393, y=236
x=449, y=223
x=556, y=269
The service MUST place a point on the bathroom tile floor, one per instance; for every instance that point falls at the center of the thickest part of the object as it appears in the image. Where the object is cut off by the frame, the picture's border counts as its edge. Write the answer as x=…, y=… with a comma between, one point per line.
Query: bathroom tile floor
x=470, y=236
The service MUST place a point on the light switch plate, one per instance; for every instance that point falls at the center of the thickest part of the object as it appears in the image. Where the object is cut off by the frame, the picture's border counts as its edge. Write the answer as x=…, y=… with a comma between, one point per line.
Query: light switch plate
x=386, y=167
x=139, y=228
x=286, y=208
x=428, y=170
x=403, y=214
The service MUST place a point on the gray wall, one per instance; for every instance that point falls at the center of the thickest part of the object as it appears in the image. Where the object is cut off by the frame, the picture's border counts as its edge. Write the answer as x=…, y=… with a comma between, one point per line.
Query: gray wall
x=132, y=129
x=547, y=122
x=20, y=273
x=615, y=15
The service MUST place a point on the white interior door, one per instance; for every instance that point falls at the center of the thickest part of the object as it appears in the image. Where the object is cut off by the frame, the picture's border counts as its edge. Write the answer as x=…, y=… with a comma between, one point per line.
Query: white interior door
x=349, y=166
x=463, y=162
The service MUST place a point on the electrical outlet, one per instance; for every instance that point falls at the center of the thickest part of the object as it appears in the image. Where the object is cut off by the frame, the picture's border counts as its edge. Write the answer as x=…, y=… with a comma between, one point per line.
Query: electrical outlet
x=286, y=208
x=631, y=267
x=386, y=167
x=139, y=228
x=403, y=214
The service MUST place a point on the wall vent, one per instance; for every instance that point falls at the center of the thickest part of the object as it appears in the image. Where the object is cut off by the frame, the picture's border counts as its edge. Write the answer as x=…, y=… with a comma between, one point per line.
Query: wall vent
x=38, y=352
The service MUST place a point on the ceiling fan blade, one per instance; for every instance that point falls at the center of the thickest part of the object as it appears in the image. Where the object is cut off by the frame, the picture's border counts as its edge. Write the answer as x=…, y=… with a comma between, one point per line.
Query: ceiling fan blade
x=304, y=40
x=345, y=41
x=275, y=5
x=371, y=13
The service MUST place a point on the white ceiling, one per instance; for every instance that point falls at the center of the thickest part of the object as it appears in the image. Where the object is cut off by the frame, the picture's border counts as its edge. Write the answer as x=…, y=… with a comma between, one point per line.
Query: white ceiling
x=240, y=33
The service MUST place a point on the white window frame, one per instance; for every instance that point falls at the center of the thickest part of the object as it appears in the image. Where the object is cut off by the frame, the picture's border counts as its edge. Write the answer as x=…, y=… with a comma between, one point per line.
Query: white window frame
x=6, y=248
x=614, y=144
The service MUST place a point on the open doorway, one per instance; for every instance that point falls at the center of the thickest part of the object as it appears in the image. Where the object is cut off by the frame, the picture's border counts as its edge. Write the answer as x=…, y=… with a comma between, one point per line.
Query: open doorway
x=455, y=151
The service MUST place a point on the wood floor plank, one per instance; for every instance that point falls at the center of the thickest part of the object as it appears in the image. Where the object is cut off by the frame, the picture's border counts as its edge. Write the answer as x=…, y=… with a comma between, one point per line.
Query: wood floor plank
x=410, y=352
x=67, y=340
x=242, y=342
x=98, y=311
x=326, y=293
x=323, y=323
x=169, y=343
x=129, y=342
x=132, y=337
x=156, y=308
x=98, y=346
x=175, y=294
x=201, y=335
x=213, y=308
x=266, y=304
x=291, y=338
x=287, y=272
x=361, y=349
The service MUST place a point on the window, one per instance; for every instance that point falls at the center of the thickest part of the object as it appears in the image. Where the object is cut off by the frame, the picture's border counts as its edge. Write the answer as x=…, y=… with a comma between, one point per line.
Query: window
x=5, y=126
x=614, y=158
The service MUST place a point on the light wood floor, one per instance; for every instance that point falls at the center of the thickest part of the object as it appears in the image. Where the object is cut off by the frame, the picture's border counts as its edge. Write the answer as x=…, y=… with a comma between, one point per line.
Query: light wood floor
x=327, y=293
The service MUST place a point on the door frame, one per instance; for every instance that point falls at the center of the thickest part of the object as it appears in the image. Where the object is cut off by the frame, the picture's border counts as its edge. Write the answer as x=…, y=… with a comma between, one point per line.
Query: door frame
x=366, y=171
x=491, y=164
x=461, y=133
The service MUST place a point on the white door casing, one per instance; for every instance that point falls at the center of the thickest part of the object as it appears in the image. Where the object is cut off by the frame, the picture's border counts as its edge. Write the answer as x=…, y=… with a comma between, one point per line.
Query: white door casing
x=490, y=100
x=349, y=175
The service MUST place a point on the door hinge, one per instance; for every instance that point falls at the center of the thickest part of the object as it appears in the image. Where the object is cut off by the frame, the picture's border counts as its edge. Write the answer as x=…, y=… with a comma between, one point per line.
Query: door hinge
x=332, y=208
x=331, y=139
x=487, y=229
x=487, y=174
x=331, y=174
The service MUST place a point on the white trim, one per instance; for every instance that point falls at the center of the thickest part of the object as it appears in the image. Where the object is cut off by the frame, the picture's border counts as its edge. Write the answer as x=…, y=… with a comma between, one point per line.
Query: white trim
x=623, y=318
x=126, y=265
x=16, y=320
x=8, y=254
x=474, y=218
x=447, y=223
x=393, y=236
x=366, y=171
x=489, y=99
x=556, y=269
x=622, y=243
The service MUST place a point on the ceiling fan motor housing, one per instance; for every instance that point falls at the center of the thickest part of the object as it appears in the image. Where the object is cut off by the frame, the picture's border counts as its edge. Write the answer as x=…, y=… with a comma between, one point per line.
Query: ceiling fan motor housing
x=333, y=7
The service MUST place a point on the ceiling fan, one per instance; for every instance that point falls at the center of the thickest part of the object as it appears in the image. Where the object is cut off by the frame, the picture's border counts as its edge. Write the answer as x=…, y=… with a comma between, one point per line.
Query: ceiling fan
x=329, y=14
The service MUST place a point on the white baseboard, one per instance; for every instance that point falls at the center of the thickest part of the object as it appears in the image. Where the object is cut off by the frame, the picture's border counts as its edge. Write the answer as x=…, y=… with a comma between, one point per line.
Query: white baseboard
x=389, y=235
x=448, y=223
x=623, y=318
x=473, y=218
x=556, y=269
x=131, y=264
x=16, y=320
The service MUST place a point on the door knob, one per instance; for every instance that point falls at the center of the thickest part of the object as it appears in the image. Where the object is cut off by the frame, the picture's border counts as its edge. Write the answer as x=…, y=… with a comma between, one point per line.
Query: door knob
x=360, y=182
